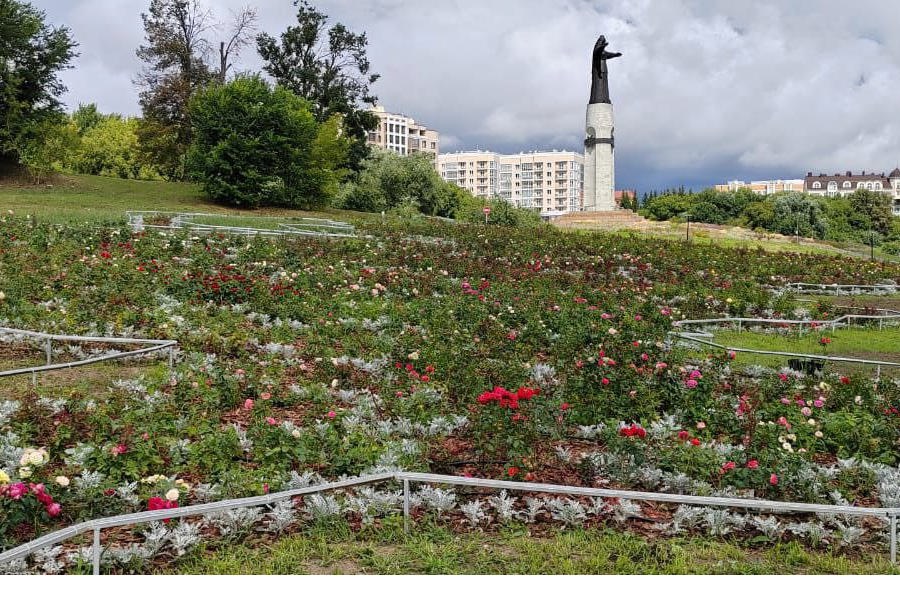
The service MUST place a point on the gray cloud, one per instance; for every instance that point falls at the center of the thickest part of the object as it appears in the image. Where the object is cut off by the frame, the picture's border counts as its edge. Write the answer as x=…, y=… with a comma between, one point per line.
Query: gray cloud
x=706, y=89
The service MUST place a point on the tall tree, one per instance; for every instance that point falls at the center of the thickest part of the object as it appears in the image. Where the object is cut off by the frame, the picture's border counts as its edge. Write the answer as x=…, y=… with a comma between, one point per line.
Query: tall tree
x=240, y=35
x=328, y=66
x=175, y=56
x=32, y=54
x=870, y=210
x=258, y=146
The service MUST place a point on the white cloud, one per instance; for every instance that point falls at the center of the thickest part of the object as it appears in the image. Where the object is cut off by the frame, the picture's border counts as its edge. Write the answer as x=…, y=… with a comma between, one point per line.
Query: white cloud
x=706, y=89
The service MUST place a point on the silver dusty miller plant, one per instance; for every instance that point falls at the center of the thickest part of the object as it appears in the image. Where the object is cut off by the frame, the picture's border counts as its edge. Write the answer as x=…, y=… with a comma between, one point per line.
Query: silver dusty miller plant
x=504, y=505
x=282, y=516
x=474, y=512
x=571, y=512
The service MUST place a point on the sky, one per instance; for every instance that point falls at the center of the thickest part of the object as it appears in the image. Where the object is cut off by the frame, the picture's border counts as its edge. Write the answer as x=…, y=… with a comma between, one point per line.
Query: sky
x=706, y=90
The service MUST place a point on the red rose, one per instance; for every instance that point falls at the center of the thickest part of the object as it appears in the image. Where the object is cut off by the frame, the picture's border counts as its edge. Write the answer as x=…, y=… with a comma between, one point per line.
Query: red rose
x=512, y=471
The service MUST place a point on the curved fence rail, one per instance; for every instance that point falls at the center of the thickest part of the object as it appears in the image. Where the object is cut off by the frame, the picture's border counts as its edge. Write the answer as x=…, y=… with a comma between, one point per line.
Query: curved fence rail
x=701, y=337
x=846, y=289
x=406, y=478
x=308, y=227
x=154, y=346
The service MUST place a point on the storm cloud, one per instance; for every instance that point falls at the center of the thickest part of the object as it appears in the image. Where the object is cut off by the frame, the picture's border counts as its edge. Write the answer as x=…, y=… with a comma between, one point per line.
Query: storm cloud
x=706, y=90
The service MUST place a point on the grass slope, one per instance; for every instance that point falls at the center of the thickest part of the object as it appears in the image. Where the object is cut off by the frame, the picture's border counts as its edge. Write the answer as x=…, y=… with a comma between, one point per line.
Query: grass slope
x=89, y=198
x=436, y=550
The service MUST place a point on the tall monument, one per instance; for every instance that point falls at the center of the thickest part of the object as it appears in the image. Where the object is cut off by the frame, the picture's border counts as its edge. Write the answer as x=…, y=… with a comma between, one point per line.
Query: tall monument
x=599, y=144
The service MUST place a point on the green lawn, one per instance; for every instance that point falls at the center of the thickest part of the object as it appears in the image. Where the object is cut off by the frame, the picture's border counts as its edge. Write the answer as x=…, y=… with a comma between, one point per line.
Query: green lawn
x=436, y=550
x=88, y=198
x=854, y=342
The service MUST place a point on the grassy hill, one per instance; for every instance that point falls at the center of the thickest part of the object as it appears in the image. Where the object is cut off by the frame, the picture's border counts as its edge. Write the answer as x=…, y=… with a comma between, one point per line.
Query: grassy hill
x=90, y=198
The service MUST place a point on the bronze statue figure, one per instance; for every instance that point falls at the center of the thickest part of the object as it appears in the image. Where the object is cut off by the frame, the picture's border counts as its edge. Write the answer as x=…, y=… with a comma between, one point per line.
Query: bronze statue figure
x=600, y=72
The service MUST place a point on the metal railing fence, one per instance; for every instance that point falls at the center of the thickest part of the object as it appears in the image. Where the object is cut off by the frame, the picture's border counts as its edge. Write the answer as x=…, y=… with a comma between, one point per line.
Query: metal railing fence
x=306, y=226
x=699, y=336
x=406, y=478
x=849, y=288
x=49, y=338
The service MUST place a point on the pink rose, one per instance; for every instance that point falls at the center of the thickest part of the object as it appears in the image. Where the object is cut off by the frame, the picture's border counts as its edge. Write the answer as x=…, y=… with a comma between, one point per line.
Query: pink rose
x=248, y=404
x=271, y=421
x=331, y=414
x=54, y=509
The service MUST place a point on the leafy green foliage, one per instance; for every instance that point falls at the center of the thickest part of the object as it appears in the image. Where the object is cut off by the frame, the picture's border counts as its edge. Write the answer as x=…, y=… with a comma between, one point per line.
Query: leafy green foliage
x=109, y=146
x=257, y=146
x=31, y=55
x=175, y=70
x=388, y=181
x=330, y=68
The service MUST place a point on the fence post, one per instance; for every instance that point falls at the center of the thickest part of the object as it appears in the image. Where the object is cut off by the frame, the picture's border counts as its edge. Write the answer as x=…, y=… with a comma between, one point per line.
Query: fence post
x=406, y=506
x=48, y=348
x=96, y=552
x=893, y=539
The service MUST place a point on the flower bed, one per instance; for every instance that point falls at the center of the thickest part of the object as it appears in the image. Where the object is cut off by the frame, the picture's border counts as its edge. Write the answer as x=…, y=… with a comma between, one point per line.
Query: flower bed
x=352, y=356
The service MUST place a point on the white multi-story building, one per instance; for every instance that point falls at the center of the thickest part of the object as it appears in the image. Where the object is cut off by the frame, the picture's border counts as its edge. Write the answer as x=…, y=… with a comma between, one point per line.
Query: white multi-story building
x=402, y=135
x=763, y=188
x=846, y=184
x=548, y=182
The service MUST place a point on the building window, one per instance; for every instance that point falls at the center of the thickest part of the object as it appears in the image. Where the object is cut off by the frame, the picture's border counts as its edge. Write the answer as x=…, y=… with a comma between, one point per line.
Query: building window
x=832, y=186
x=847, y=185
x=878, y=186
x=817, y=185
x=860, y=185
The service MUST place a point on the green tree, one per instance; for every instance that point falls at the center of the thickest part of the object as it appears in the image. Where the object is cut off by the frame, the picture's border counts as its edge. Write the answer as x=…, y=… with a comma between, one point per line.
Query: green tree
x=795, y=212
x=49, y=146
x=86, y=117
x=328, y=67
x=110, y=148
x=257, y=146
x=32, y=54
x=388, y=180
x=175, y=59
x=870, y=210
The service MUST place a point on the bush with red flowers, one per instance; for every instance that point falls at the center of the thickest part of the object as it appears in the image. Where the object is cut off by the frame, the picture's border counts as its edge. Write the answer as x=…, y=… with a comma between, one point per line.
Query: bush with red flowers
x=511, y=426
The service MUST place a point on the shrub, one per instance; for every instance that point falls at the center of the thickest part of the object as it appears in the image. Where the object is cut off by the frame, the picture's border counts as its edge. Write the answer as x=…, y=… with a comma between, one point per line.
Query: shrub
x=257, y=146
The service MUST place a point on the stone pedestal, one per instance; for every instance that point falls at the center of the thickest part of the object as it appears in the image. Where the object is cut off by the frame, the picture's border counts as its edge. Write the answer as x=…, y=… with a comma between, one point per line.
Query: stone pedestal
x=599, y=159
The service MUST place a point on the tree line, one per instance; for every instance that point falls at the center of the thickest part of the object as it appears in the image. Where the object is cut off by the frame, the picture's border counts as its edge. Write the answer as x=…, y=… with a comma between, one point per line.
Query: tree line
x=863, y=216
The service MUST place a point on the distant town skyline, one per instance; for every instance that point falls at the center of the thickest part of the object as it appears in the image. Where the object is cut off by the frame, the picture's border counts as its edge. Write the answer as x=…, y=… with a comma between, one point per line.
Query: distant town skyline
x=707, y=90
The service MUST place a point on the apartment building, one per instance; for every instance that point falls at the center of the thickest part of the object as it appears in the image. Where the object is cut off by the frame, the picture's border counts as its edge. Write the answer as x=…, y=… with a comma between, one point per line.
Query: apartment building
x=846, y=184
x=763, y=188
x=548, y=182
x=401, y=135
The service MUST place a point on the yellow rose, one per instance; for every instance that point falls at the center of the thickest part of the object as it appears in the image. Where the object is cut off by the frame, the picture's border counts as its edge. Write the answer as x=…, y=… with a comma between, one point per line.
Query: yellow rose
x=4, y=478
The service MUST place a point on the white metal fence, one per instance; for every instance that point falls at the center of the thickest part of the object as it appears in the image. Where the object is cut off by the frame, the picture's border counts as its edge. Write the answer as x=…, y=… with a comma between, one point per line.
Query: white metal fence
x=839, y=289
x=406, y=478
x=152, y=346
x=704, y=337
x=300, y=227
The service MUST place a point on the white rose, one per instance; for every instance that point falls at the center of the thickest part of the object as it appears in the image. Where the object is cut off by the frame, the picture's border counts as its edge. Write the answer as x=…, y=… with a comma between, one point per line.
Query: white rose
x=24, y=472
x=62, y=481
x=173, y=495
x=2, y=296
